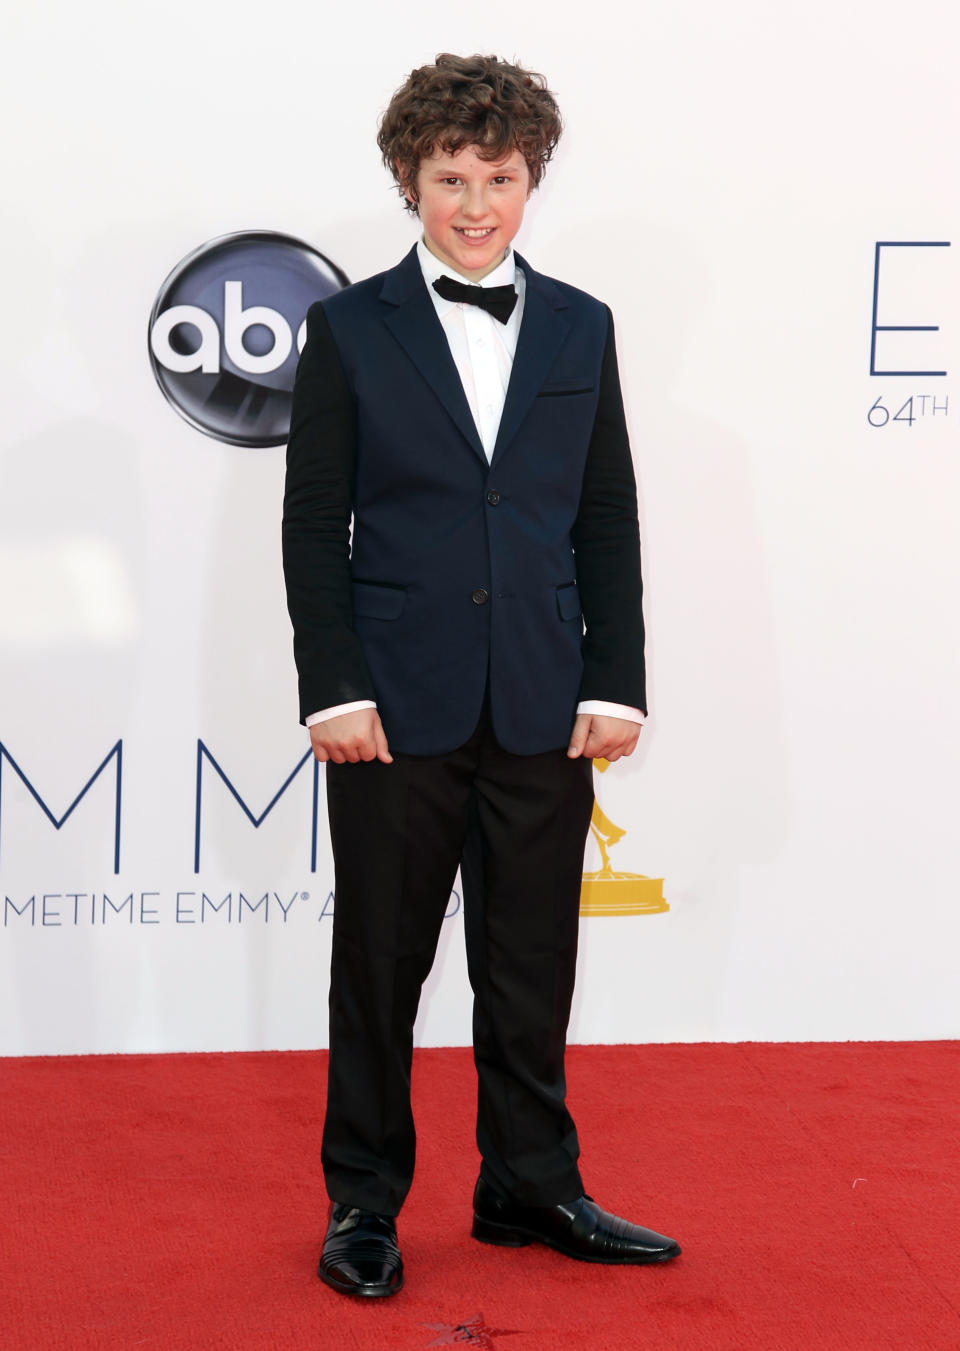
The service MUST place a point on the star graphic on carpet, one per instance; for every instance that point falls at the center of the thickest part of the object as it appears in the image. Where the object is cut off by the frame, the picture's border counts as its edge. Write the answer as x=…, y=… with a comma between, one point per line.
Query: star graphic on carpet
x=471, y=1332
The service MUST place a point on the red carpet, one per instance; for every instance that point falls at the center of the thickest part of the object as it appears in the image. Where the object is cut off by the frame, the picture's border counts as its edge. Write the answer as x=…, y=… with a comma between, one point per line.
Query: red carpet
x=162, y=1202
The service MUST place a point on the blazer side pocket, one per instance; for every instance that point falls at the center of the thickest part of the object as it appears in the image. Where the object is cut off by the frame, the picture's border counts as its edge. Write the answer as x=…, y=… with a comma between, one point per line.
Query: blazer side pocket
x=568, y=601
x=378, y=600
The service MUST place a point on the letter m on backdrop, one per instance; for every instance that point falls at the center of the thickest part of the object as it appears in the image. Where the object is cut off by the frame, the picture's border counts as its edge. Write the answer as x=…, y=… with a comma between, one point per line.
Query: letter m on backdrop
x=57, y=821
x=203, y=754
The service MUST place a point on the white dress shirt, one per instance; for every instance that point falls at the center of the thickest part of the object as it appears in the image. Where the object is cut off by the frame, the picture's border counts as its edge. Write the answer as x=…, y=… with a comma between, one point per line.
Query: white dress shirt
x=483, y=350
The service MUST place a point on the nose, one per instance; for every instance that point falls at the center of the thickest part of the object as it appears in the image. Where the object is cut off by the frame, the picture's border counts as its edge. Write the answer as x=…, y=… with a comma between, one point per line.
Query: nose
x=474, y=204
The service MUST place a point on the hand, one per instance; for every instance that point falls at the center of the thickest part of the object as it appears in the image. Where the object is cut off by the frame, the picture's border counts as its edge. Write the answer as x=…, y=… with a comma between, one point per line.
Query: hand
x=596, y=735
x=351, y=737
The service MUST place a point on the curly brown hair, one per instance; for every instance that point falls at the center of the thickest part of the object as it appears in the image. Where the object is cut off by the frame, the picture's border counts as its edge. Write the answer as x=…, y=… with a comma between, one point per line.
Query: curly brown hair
x=468, y=101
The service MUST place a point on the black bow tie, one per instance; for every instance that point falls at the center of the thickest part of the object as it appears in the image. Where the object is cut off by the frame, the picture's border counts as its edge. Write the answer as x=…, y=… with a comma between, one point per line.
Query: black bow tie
x=496, y=300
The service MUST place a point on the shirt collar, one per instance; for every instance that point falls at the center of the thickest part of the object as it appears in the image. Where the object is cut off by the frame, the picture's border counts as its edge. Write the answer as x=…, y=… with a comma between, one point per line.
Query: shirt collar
x=504, y=274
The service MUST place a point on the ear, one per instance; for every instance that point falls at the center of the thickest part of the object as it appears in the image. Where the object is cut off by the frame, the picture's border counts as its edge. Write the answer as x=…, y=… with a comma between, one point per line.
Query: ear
x=409, y=191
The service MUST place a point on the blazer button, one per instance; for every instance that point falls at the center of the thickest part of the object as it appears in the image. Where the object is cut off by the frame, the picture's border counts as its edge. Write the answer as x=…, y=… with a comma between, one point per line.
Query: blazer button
x=480, y=596
x=493, y=497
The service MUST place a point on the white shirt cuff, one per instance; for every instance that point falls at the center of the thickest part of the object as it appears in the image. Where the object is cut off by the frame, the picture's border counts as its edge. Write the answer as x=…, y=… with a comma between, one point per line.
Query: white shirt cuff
x=600, y=706
x=611, y=710
x=326, y=714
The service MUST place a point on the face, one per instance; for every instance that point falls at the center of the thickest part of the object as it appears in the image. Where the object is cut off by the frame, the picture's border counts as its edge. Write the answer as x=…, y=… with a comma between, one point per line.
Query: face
x=471, y=208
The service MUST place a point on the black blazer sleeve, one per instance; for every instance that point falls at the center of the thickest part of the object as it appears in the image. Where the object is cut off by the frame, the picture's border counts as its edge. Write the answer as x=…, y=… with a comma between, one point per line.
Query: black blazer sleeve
x=606, y=542
x=317, y=508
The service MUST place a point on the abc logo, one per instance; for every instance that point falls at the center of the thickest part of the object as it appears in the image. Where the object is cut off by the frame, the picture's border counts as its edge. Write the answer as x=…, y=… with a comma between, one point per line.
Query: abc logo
x=227, y=328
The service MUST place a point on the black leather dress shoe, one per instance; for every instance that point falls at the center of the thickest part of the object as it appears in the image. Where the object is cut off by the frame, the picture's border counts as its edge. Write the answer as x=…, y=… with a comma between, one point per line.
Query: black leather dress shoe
x=578, y=1228
x=360, y=1253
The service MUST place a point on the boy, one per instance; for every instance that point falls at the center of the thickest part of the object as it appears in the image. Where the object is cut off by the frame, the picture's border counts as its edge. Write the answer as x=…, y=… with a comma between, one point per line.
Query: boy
x=461, y=661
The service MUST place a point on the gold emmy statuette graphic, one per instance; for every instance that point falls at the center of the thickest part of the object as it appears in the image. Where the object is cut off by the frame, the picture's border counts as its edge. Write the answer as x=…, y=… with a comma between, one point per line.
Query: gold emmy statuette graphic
x=611, y=893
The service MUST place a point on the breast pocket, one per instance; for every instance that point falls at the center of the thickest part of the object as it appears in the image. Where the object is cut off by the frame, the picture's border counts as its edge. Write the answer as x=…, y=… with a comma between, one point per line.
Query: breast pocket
x=553, y=389
x=376, y=600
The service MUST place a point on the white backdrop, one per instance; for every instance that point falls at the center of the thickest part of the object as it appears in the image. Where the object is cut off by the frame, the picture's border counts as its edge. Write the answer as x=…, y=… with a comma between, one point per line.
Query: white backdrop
x=725, y=176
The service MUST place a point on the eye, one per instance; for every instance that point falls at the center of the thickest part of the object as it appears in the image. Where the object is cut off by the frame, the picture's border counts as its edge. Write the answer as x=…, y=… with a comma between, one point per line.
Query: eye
x=501, y=178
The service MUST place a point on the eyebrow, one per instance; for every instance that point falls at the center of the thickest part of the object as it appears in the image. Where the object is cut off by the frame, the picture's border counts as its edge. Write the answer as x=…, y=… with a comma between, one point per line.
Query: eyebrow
x=451, y=171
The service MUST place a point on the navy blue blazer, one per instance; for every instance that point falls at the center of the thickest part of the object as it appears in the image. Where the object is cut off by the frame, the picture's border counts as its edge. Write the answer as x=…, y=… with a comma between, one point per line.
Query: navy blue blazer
x=524, y=571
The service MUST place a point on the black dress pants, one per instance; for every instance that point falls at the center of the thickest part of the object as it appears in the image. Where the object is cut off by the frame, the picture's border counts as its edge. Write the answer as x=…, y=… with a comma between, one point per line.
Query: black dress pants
x=517, y=826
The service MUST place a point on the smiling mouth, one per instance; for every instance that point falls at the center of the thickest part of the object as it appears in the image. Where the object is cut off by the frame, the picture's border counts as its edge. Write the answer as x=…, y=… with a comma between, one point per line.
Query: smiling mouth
x=474, y=234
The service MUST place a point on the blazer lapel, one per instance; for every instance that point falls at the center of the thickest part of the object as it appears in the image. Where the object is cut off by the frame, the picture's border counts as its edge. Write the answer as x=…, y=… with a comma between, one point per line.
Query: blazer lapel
x=414, y=323
x=543, y=330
